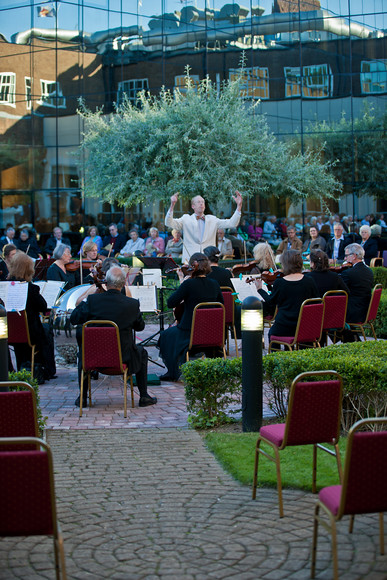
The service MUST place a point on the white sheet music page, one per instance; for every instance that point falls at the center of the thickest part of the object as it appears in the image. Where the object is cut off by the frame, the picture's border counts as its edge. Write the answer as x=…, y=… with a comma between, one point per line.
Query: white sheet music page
x=14, y=295
x=146, y=295
x=152, y=276
x=50, y=290
x=243, y=289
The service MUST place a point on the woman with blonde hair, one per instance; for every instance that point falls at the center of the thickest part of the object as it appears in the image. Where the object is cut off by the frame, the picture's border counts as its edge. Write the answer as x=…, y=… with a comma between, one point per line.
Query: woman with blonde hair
x=264, y=256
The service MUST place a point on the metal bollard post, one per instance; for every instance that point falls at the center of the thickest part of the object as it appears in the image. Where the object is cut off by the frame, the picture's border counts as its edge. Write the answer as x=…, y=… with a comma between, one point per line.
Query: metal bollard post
x=3, y=347
x=252, y=328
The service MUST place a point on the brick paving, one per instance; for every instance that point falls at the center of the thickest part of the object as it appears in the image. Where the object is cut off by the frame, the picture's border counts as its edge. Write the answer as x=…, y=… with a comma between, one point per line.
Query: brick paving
x=149, y=502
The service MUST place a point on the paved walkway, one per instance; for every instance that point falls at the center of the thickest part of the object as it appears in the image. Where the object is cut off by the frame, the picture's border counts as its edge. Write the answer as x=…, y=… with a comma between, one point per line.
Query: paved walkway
x=149, y=502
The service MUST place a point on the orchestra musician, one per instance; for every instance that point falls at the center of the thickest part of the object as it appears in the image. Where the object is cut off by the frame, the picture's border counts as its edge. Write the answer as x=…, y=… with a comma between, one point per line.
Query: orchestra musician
x=198, y=288
x=90, y=254
x=264, y=258
x=221, y=275
x=57, y=270
x=199, y=230
x=99, y=285
x=324, y=278
x=22, y=268
x=125, y=312
x=288, y=293
x=9, y=250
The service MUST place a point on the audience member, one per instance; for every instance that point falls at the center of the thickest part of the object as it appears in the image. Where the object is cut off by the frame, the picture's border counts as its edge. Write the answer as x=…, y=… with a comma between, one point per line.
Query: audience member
x=8, y=238
x=369, y=245
x=255, y=231
x=270, y=231
x=28, y=244
x=114, y=242
x=133, y=245
x=93, y=237
x=376, y=233
x=315, y=242
x=154, y=244
x=224, y=244
x=336, y=246
x=174, y=247
x=290, y=243
x=55, y=240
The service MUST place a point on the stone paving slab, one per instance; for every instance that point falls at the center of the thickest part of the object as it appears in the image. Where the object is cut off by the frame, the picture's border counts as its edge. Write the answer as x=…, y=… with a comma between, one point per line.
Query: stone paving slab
x=154, y=504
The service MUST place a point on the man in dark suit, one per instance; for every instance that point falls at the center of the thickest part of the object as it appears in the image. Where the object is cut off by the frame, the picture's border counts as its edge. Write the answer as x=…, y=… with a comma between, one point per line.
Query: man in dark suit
x=360, y=281
x=56, y=239
x=336, y=246
x=125, y=312
x=369, y=245
x=114, y=242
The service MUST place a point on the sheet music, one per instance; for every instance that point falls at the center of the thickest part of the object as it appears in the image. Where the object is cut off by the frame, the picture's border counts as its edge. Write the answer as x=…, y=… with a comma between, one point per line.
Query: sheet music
x=14, y=295
x=147, y=297
x=244, y=290
x=50, y=290
x=152, y=276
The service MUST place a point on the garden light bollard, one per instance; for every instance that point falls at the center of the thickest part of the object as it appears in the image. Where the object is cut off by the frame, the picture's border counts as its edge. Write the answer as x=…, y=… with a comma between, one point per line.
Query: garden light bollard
x=3, y=347
x=252, y=328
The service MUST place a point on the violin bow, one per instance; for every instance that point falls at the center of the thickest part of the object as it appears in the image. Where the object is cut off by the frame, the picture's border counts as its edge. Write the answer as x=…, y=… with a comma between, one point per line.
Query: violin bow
x=80, y=267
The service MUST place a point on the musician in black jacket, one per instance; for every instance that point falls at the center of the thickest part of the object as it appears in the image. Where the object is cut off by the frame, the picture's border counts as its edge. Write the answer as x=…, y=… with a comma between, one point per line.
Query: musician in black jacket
x=113, y=243
x=125, y=312
x=360, y=281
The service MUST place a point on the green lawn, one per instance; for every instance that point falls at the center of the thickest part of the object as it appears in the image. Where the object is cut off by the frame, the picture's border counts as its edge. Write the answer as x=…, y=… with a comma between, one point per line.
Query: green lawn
x=235, y=452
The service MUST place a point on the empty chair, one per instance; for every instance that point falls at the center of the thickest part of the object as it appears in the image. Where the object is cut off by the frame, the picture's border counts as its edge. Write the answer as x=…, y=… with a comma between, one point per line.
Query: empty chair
x=208, y=327
x=101, y=351
x=363, y=490
x=309, y=326
x=335, y=311
x=229, y=304
x=371, y=313
x=18, y=414
x=27, y=498
x=314, y=415
x=18, y=333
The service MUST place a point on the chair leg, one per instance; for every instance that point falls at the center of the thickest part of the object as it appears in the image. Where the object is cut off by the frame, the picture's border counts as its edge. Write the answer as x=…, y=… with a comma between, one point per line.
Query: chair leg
x=334, y=550
x=314, y=474
x=381, y=533
x=256, y=468
x=32, y=360
x=131, y=390
x=314, y=542
x=227, y=341
x=235, y=338
x=362, y=331
x=125, y=393
x=62, y=561
x=339, y=465
x=373, y=330
x=224, y=354
x=81, y=394
x=89, y=387
x=351, y=522
x=56, y=554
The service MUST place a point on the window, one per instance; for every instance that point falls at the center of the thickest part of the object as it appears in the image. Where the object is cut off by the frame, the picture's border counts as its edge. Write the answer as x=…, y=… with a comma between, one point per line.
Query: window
x=254, y=82
x=7, y=89
x=51, y=95
x=316, y=81
x=131, y=89
x=373, y=76
x=180, y=82
x=28, y=87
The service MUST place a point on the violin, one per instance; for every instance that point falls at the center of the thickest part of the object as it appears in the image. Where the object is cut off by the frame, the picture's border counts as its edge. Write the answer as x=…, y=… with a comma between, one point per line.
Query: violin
x=243, y=268
x=74, y=265
x=267, y=277
x=185, y=268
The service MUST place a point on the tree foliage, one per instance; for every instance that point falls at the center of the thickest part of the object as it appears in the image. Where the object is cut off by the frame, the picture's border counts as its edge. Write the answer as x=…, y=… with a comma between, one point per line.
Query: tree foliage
x=202, y=141
x=360, y=148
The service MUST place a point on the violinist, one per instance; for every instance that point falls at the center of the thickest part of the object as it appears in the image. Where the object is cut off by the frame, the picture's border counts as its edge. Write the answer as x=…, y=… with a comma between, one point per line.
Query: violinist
x=221, y=275
x=264, y=257
x=9, y=250
x=199, y=288
x=57, y=270
x=99, y=280
x=89, y=254
x=324, y=279
x=288, y=293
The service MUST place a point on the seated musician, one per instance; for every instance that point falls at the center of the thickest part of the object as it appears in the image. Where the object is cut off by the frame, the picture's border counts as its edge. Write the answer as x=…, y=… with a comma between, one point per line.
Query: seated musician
x=360, y=281
x=125, y=312
x=22, y=268
x=324, y=279
x=264, y=257
x=287, y=295
x=221, y=275
x=57, y=270
x=198, y=288
x=9, y=250
x=99, y=281
x=89, y=254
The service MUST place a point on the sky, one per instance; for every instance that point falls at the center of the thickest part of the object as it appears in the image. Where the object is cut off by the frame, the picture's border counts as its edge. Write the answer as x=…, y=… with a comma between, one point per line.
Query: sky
x=15, y=15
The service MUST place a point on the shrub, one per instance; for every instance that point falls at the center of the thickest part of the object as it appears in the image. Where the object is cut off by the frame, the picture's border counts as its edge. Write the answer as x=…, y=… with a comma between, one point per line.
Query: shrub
x=211, y=385
x=25, y=377
x=380, y=276
x=380, y=324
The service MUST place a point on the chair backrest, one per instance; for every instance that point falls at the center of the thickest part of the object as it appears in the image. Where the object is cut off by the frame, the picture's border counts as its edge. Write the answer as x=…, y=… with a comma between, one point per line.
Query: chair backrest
x=18, y=415
x=208, y=322
x=314, y=410
x=101, y=345
x=310, y=321
x=365, y=471
x=18, y=332
x=374, y=302
x=27, y=498
x=228, y=301
x=335, y=309
x=385, y=258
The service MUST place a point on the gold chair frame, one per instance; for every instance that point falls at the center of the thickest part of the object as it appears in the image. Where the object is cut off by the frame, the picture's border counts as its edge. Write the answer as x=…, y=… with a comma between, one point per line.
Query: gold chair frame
x=202, y=305
x=354, y=326
x=105, y=323
x=230, y=327
x=295, y=344
x=26, y=387
x=32, y=346
x=331, y=525
x=60, y=564
x=276, y=458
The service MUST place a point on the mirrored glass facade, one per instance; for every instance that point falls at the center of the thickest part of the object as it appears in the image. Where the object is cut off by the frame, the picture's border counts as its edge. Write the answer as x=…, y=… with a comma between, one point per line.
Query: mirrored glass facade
x=306, y=60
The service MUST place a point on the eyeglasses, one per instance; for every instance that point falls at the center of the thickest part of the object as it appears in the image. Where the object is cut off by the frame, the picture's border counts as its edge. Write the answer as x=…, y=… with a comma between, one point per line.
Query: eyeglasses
x=350, y=254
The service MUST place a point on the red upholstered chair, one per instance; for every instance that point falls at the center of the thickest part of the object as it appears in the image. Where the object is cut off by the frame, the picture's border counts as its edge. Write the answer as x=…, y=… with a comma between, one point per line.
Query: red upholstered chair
x=18, y=416
x=335, y=311
x=101, y=351
x=309, y=326
x=314, y=415
x=229, y=304
x=18, y=333
x=208, y=325
x=363, y=490
x=27, y=498
x=371, y=314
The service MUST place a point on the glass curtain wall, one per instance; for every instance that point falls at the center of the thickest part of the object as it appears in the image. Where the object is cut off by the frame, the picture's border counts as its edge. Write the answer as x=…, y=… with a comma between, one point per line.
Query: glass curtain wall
x=319, y=68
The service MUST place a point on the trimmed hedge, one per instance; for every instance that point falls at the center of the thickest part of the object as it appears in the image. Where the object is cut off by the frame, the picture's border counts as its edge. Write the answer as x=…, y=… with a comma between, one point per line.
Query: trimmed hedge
x=380, y=276
x=380, y=323
x=212, y=384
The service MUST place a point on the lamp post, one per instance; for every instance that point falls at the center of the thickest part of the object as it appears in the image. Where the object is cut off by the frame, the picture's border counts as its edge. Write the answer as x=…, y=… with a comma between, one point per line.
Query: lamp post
x=3, y=347
x=252, y=328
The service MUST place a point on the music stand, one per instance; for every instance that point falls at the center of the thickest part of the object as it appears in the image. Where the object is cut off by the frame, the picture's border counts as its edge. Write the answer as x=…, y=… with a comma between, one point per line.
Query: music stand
x=162, y=263
x=41, y=267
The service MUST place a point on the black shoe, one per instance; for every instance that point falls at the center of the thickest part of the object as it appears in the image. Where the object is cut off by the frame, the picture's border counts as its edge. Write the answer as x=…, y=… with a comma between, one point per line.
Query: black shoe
x=94, y=375
x=147, y=401
x=77, y=402
x=166, y=377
